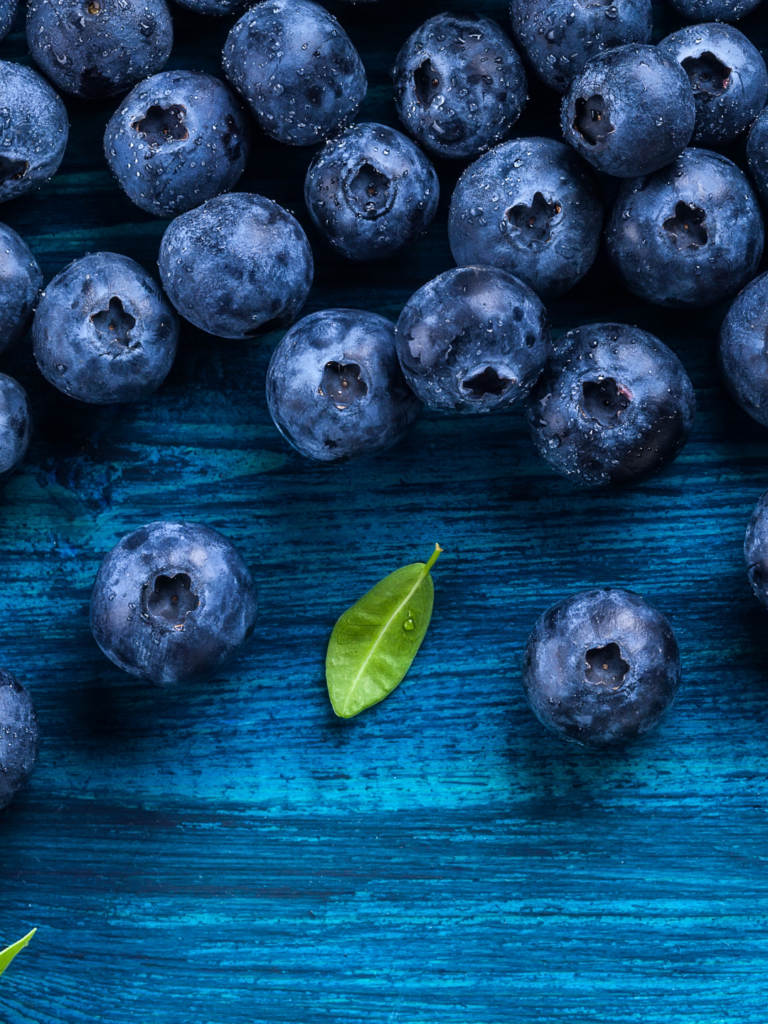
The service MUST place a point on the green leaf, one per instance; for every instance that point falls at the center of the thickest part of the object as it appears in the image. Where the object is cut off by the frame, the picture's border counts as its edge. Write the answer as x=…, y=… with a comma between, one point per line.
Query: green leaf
x=6, y=955
x=374, y=642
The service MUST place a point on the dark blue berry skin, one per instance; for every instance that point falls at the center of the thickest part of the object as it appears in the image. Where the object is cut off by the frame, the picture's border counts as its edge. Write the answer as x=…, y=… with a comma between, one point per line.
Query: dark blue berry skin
x=15, y=424
x=8, y=10
x=459, y=85
x=33, y=130
x=689, y=235
x=743, y=349
x=630, y=110
x=601, y=668
x=756, y=549
x=19, y=737
x=531, y=207
x=297, y=68
x=371, y=192
x=104, y=332
x=95, y=48
x=613, y=405
x=714, y=10
x=335, y=388
x=20, y=284
x=473, y=340
x=172, y=603
x=727, y=75
x=177, y=139
x=214, y=7
x=559, y=36
x=757, y=153
x=252, y=255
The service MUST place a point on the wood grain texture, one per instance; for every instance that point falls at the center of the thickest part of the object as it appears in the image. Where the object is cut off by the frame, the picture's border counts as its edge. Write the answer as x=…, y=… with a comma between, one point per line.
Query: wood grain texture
x=234, y=854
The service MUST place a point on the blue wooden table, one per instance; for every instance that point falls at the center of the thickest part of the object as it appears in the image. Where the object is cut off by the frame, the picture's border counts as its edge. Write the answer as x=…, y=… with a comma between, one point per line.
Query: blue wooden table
x=231, y=853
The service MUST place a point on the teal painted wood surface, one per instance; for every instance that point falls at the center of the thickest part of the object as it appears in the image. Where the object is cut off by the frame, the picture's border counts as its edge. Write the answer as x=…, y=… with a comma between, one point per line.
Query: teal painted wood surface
x=232, y=853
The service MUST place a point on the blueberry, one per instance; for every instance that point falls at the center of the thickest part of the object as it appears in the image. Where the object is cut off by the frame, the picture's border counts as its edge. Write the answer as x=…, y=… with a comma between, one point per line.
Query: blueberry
x=601, y=668
x=178, y=138
x=172, y=603
x=688, y=235
x=727, y=75
x=8, y=10
x=531, y=207
x=15, y=424
x=559, y=36
x=33, y=130
x=103, y=331
x=630, y=110
x=19, y=737
x=335, y=388
x=743, y=349
x=756, y=549
x=253, y=258
x=714, y=10
x=459, y=84
x=371, y=192
x=95, y=48
x=20, y=283
x=473, y=340
x=297, y=68
x=757, y=153
x=613, y=405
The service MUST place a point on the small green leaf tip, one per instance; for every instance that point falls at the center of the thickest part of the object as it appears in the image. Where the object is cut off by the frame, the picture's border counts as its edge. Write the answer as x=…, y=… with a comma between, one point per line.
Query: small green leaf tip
x=6, y=955
x=374, y=642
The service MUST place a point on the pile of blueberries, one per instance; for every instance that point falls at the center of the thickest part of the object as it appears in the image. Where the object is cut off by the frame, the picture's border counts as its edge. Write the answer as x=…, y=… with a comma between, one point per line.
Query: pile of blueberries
x=607, y=404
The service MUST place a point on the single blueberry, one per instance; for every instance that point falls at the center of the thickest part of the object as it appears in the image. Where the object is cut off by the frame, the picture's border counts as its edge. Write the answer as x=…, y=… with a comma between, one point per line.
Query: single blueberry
x=756, y=549
x=531, y=207
x=19, y=737
x=728, y=77
x=757, y=153
x=371, y=192
x=459, y=84
x=297, y=68
x=689, y=235
x=473, y=340
x=559, y=36
x=172, y=603
x=714, y=10
x=743, y=349
x=103, y=331
x=613, y=405
x=238, y=266
x=601, y=668
x=335, y=388
x=95, y=48
x=20, y=283
x=630, y=110
x=8, y=10
x=15, y=424
x=33, y=130
x=177, y=139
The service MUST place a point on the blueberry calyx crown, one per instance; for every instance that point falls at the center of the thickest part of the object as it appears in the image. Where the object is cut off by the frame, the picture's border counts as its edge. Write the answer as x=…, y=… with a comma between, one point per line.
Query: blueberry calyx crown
x=170, y=598
x=604, y=400
x=163, y=124
x=708, y=76
x=342, y=384
x=686, y=226
x=369, y=192
x=531, y=225
x=116, y=322
x=592, y=121
x=12, y=170
x=605, y=666
x=426, y=82
x=486, y=382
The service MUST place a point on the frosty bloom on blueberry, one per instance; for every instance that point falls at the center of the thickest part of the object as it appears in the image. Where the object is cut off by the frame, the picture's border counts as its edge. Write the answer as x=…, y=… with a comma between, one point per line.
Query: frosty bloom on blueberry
x=20, y=283
x=335, y=389
x=177, y=139
x=15, y=424
x=104, y=332
x=19, y=737
x=459, y=84
x=172, y=602
x=473, y=340
x=531, y=207
x=601, y=668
